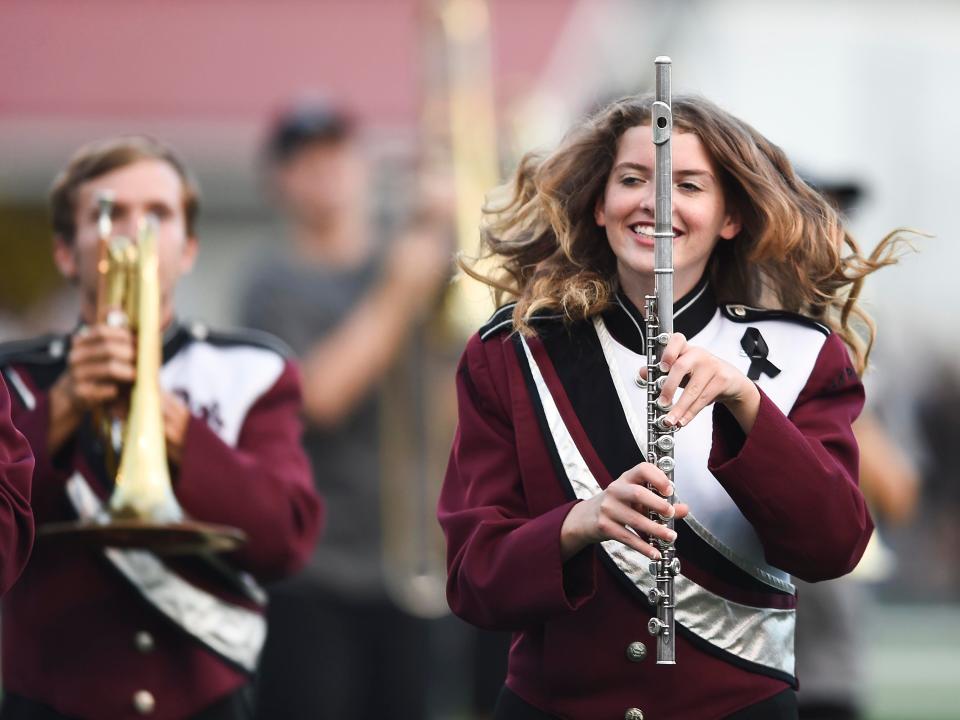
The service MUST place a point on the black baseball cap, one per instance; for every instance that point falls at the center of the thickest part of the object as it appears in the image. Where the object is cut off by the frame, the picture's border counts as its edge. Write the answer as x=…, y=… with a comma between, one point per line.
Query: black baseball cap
x=303, y=125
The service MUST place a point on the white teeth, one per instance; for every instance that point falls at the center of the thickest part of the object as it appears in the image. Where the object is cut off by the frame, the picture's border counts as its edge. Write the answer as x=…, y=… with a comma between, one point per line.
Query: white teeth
x=647, y=230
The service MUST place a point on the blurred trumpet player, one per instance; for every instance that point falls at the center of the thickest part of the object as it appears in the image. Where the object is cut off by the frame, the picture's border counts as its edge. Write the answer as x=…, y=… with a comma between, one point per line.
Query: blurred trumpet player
x=93, y=632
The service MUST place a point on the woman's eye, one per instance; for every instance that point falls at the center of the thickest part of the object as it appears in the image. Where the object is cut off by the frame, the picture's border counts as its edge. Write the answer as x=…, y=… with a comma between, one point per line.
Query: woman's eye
x=689, y=187
x=631, y=180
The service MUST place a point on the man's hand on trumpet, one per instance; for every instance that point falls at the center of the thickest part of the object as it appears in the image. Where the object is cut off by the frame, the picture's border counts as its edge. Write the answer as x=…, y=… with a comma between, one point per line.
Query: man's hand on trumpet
x=101, y=368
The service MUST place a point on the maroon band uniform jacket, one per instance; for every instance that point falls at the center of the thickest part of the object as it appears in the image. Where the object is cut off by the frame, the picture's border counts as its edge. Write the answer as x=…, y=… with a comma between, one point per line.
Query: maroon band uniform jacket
x=16, y=517
x=77, y=635
x=547, y=421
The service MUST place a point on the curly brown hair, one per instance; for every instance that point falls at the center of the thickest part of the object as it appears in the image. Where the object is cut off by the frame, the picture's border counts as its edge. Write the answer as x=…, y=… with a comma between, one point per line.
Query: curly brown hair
x=792, y=252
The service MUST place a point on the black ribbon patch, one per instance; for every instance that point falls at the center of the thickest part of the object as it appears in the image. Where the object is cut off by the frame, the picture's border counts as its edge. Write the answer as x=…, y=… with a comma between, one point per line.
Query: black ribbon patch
x=756, y=349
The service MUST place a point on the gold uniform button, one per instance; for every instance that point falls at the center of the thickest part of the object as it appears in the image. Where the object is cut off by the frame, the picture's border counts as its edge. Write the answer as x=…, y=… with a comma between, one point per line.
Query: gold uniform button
x=143, y=641
x=633, y=714
x=144, y=702
x=636, y=651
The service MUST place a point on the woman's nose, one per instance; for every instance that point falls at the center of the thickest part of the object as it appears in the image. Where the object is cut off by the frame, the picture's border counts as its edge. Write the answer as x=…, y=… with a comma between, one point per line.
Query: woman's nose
x=648, y=198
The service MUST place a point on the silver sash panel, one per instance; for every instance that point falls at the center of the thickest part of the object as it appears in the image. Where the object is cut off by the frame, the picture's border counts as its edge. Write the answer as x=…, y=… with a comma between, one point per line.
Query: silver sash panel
x=231, y=631
x=759, y=635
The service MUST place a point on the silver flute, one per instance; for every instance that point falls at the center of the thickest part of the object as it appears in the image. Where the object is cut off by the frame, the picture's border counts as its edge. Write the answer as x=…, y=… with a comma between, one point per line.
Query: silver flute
x=659, y=326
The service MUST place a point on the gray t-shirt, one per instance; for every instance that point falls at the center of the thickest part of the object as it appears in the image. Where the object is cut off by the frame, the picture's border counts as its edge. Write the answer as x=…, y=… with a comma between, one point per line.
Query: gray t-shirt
x=300, y=305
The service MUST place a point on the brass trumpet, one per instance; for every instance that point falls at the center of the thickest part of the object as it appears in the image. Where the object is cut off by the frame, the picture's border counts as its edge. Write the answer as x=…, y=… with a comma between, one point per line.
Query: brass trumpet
x=143, y=511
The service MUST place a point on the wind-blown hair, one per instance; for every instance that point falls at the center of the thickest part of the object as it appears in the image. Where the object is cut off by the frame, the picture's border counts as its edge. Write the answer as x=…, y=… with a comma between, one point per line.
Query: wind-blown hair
x=792, y=252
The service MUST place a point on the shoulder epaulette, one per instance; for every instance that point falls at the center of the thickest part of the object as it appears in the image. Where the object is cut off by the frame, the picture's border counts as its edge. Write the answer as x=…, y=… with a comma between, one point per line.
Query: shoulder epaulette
x=502, y=319
x=43, y=350
x=240, y=336
x=746, y=314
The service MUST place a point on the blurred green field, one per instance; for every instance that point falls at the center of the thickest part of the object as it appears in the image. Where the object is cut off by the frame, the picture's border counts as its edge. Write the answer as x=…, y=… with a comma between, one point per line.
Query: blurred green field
x=913, y=662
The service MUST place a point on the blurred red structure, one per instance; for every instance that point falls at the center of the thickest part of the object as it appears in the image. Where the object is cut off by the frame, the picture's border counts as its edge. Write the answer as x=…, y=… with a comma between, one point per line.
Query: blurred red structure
x=210, y=60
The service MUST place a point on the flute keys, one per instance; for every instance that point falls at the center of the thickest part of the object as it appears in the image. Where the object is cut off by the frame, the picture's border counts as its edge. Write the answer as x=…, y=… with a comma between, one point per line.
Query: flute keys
x=656, y=626
x=665, y=443
x=667, y=464
x=656, y=384
x=670, y=567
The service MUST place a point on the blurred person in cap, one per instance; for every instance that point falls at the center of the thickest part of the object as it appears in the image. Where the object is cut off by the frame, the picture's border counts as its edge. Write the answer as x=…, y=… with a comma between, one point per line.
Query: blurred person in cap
x=97, y=633
x=346, y=301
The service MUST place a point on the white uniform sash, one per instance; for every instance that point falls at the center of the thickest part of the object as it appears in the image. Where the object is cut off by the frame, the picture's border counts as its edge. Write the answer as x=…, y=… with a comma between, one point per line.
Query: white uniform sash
x=231, y=631
x=718, y=521
x=763, y=636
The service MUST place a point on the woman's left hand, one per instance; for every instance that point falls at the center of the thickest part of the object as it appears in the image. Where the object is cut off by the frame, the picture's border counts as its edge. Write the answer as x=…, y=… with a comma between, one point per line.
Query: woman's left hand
x=705, y=379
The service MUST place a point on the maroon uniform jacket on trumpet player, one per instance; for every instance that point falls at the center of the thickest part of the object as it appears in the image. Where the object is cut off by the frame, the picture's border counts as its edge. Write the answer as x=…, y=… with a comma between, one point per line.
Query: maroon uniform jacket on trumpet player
x=16, y=517
x=547, y=421
x=105, y=634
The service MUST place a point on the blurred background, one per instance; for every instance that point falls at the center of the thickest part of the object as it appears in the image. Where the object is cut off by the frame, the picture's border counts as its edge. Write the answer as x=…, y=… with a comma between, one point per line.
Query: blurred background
x=859, y=93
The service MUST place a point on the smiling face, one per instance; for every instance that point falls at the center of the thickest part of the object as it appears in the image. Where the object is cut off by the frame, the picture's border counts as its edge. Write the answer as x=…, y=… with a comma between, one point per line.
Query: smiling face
x=700, y=216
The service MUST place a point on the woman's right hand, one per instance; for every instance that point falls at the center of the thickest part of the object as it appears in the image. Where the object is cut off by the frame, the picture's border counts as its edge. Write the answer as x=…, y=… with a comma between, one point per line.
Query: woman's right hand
x=619, y=513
